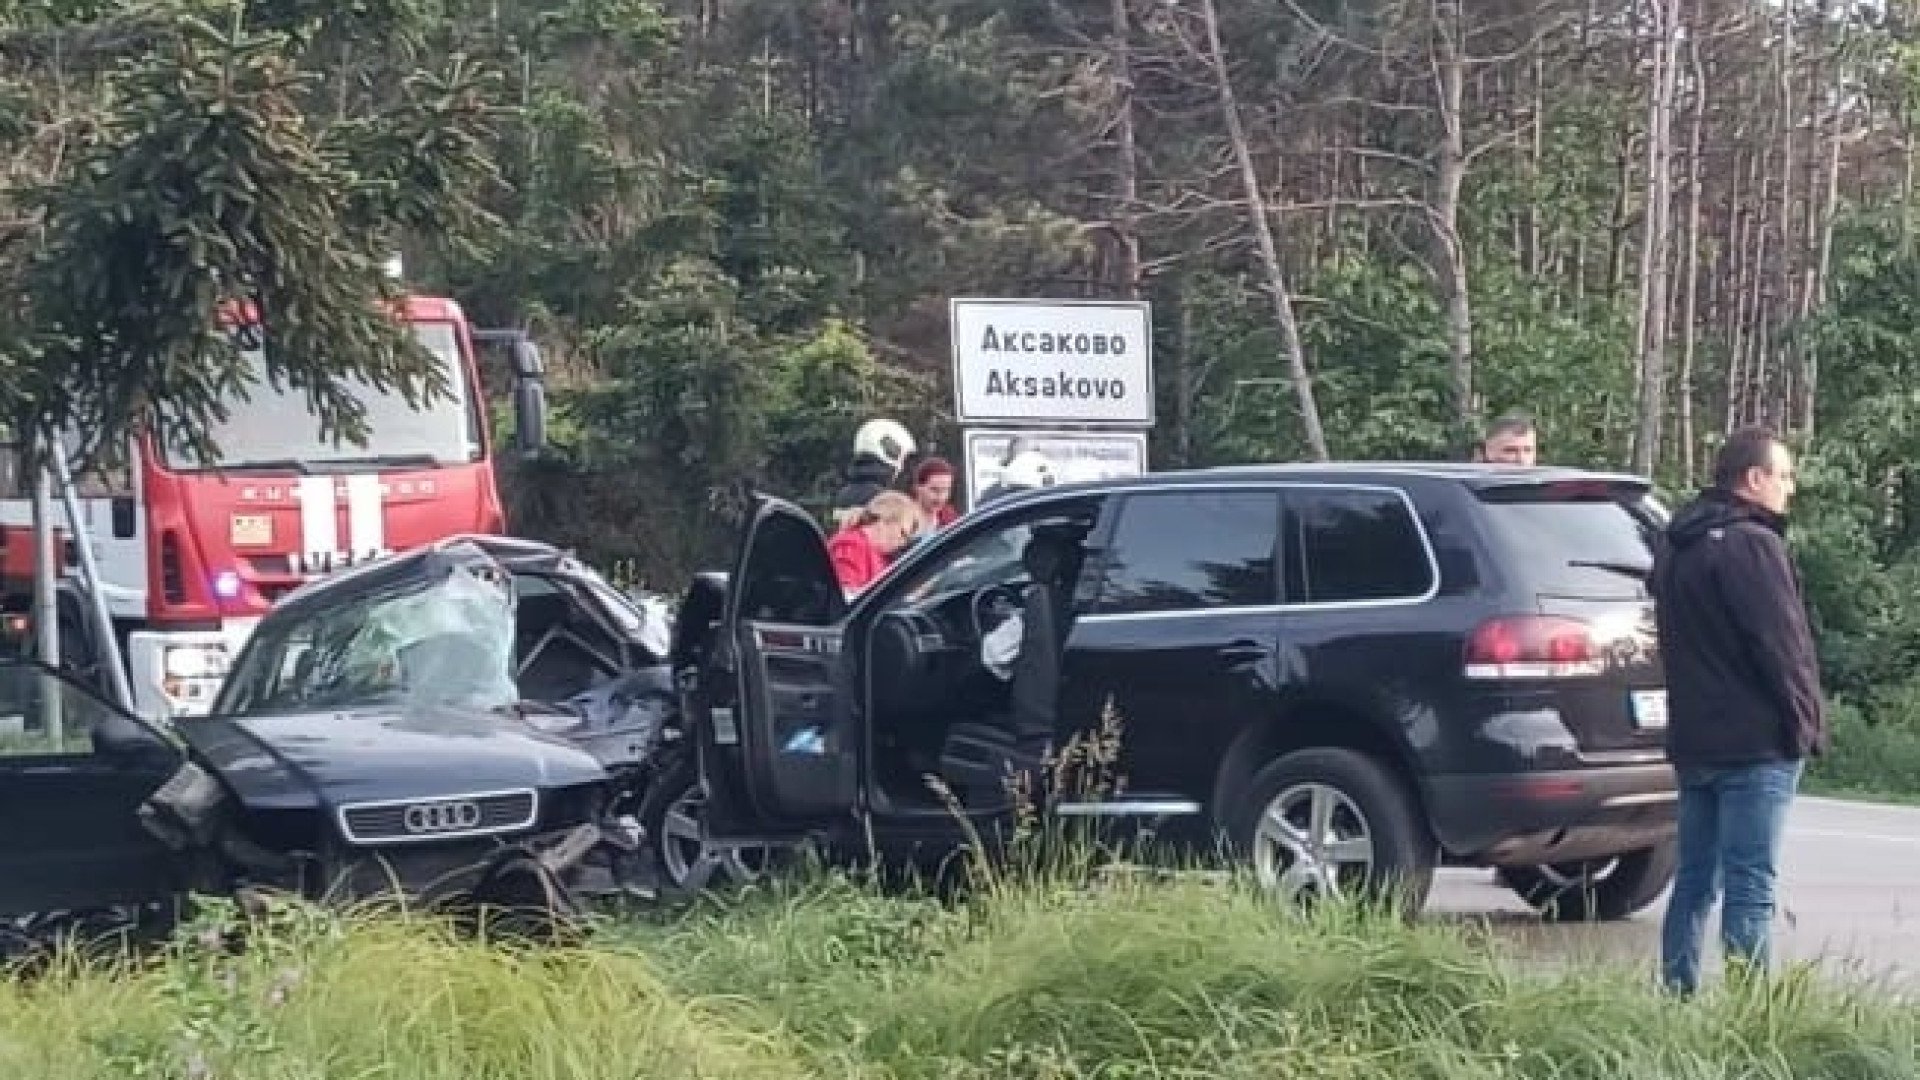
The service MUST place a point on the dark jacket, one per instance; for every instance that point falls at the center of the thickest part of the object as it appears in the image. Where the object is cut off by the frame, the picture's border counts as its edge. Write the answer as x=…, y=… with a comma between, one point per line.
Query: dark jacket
x=867, y=476
x=1743, y=682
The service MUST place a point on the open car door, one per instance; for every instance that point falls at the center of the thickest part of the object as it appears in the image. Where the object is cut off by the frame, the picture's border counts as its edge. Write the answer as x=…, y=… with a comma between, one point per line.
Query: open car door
x=74, y=771
x=767, y=702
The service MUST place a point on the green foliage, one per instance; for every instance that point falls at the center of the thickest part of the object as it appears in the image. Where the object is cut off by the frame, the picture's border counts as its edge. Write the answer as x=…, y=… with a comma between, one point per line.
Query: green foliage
x=827, y=977
x=735, y=226
x=420, y=166
x=1859, y=511
x=824, y=386
x=1876, y=744
x=205, y=185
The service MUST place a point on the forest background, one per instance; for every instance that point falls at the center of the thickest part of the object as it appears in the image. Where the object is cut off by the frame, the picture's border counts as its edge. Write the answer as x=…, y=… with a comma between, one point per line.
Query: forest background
x=1365, y=226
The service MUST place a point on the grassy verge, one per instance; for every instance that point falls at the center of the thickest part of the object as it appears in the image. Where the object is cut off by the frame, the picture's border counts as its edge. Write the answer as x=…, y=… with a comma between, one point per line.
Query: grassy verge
x=831, y=979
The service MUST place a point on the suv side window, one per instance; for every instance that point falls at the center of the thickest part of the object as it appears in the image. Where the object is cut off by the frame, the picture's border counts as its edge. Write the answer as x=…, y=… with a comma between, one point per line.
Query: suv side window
x=1354, y=544
x=1187, y=550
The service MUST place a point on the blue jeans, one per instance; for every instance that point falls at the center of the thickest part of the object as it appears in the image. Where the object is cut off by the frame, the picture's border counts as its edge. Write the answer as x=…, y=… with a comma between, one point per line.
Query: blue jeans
x=1731, y=818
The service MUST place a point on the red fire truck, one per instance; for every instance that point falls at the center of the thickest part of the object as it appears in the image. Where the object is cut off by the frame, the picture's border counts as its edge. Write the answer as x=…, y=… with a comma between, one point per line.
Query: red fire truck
x=190, y=557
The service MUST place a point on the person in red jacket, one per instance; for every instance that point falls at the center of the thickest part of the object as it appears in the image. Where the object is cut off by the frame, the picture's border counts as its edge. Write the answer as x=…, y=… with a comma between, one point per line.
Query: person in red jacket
x=861, y=550
x=933, y=491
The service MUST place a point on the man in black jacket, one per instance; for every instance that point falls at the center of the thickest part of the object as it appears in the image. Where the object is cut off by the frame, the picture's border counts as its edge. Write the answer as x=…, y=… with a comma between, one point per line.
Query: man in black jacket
x=1743, y=685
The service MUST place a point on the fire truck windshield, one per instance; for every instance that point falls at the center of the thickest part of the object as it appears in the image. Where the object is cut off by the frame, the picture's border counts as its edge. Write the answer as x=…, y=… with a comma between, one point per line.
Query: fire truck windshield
x=271, y=428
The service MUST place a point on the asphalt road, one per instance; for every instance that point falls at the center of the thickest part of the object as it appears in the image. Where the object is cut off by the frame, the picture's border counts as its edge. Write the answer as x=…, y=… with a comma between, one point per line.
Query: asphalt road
x=1849, y=900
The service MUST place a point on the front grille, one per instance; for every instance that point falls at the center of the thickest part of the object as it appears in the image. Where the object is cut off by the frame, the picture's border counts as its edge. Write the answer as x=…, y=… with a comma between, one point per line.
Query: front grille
x=450, y=817
x=173, y=579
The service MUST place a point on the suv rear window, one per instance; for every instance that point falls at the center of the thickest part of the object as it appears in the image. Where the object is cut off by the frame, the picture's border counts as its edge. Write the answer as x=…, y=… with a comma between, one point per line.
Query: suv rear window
x=1578, y=544
x=1353, y=546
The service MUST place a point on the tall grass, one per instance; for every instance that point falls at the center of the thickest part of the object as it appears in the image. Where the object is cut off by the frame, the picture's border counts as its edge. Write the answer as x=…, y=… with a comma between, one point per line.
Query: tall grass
x=826, y=977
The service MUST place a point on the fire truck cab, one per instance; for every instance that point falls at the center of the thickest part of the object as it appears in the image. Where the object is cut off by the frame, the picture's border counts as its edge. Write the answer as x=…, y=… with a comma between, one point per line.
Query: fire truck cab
x=191, y=556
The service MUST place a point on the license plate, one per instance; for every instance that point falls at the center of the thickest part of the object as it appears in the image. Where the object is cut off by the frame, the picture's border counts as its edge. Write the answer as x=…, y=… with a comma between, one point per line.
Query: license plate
x=1649, y=708
x=251, y=530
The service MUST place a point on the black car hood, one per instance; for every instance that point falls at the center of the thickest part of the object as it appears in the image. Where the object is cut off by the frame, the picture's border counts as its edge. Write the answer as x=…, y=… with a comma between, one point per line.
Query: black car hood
x=332, y=759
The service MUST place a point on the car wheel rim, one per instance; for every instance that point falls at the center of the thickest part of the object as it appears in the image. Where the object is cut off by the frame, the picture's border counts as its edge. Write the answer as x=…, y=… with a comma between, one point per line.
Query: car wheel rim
x=693, y=864
x=1312, y=841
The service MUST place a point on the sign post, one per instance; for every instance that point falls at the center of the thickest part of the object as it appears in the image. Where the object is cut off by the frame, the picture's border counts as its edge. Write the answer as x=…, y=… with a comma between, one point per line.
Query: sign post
x=1070, y=380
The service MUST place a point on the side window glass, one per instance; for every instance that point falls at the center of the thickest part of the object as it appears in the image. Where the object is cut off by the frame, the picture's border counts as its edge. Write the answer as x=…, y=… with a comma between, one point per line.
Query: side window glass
x=1357, y=545
x=992, y=558
x=43, y=715
x=1185, y=550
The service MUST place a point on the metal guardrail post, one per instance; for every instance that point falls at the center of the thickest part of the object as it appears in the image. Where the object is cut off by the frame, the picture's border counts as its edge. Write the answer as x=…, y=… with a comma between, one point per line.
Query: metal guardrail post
x=46, y=602
x=110, y=657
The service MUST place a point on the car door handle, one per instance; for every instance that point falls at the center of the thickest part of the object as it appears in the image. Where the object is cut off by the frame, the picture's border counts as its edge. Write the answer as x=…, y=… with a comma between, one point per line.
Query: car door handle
x=1244, y=652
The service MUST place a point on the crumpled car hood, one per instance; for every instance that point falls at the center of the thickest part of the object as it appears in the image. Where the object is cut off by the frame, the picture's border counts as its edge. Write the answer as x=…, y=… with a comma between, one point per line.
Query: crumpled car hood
x=333, y=759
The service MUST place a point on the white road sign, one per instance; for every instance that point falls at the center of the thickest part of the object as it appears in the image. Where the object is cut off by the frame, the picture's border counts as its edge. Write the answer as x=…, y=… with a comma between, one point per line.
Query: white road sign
x=1073, y=455
x=1053, y=361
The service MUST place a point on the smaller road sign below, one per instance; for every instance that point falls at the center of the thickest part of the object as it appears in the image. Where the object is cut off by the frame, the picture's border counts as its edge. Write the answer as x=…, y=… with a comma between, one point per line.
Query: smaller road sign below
x=1073, y=456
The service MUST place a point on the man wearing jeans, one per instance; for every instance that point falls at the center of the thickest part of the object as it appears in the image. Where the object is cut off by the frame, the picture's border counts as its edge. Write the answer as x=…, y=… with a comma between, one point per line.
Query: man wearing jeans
x=1744, y=701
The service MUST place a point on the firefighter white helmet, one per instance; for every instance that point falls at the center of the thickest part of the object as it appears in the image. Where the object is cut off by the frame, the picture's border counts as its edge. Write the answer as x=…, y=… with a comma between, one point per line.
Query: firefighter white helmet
x=887, y=440
x=1028, y=469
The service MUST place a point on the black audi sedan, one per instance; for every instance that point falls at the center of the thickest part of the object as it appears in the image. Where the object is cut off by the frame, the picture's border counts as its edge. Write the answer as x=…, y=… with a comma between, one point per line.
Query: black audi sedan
x=464, y=722
x=1340, y=675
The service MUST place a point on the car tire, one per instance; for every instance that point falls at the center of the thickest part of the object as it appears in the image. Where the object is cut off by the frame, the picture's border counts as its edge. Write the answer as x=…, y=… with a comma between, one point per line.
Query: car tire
x=518, y=899
x=1595, y=890
x=681, y=864
x=1372, y=842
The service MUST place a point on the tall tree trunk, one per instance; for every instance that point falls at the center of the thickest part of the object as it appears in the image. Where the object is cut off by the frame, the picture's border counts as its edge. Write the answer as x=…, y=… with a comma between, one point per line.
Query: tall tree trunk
x=1689, y=318
x=1823, y=268
x=1621, y=220
x=1263, y=236
x=1754, y=375
x=1783, y=310
x=1536, y=153
x=1184, y=378
x=1126, y=220
x=1907, y=162
x=1656, y=240
x=1449, y=73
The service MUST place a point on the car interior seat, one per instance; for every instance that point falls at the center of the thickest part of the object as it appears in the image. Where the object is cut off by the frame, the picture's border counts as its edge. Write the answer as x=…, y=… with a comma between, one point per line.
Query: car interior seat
x=982, y=758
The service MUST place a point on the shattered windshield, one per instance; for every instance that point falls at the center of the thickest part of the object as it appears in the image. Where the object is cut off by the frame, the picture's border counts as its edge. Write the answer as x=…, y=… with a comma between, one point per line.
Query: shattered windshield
x=448, y=645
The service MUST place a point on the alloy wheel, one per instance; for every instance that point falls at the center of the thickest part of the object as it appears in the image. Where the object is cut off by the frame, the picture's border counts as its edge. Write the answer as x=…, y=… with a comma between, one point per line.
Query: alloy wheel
x=691, y=863
x=1312, y=841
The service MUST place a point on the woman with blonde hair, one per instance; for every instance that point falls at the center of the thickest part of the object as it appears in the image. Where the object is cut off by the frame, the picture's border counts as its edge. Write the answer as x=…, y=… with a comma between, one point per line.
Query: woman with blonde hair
x=860, y=551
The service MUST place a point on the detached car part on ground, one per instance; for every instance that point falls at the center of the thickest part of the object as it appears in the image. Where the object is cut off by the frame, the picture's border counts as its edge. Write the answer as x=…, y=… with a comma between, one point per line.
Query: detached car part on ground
x=482, y=721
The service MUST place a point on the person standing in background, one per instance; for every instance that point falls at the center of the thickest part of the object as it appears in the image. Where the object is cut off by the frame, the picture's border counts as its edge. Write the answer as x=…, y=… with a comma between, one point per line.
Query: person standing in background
x=933, y=491
x=861, y=551
x=880, y=447
x=1744, y=700
x=1512, y=439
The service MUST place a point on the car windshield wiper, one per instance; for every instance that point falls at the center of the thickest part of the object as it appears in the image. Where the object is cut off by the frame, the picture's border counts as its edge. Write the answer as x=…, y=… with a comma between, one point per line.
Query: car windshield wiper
x=1625, y=569
x=388, y=461
x=292, y=465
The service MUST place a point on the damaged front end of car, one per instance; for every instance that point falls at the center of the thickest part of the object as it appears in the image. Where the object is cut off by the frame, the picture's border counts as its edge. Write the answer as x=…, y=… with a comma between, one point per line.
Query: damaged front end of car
x=371, y=741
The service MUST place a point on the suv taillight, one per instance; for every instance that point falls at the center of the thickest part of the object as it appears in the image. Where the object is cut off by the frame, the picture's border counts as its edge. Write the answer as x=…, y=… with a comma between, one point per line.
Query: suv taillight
x=1532, y=647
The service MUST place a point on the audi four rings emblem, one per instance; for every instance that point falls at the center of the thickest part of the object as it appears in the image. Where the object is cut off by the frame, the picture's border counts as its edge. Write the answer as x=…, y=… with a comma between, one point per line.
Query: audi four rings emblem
x=441, y=817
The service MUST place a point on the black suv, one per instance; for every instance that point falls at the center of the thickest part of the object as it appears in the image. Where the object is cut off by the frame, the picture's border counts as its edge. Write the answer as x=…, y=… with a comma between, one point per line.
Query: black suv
x=1350, y=674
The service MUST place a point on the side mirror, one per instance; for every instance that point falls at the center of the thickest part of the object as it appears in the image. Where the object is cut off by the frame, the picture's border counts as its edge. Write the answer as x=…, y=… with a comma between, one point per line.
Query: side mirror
x=530, y=416
x=528, y=365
